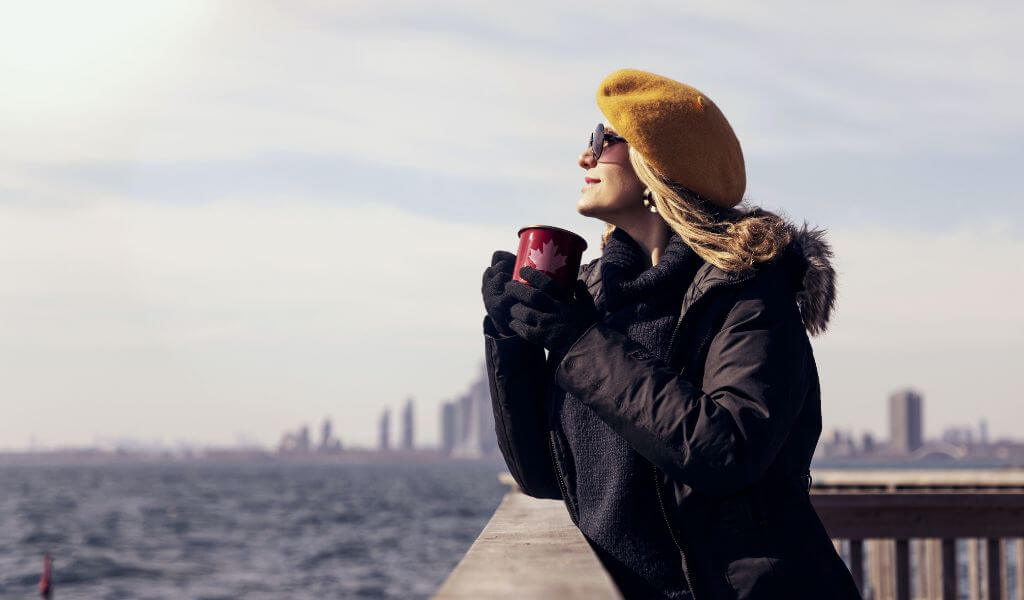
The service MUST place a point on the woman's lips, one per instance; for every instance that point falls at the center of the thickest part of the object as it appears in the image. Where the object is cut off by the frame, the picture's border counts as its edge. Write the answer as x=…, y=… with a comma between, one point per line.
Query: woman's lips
x=591, y=180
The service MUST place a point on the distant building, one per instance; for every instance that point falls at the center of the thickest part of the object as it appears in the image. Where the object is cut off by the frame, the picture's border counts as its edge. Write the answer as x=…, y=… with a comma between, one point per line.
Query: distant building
x=867, y=445
x=295, y=442
x=958, y=436
x=328, y=443
x=302, y=442
x=325, y=434
x=448, y=413
x=407, y=425
x=287, y=443
x=838, y=445
x=469, y=441
x=384, y=439
x=905, y=422
x=458, y=424
x=467, y=423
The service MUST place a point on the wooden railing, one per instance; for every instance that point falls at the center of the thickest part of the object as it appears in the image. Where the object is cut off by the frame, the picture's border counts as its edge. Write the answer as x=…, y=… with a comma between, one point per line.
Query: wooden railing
x=916, y=534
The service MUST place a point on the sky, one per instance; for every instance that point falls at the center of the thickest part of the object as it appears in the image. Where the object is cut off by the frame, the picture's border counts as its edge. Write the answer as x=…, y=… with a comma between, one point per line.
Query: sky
x=223, y=220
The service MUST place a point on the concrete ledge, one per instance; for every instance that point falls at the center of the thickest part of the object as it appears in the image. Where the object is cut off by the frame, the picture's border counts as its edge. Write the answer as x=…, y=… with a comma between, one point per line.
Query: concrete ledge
x=529, y=549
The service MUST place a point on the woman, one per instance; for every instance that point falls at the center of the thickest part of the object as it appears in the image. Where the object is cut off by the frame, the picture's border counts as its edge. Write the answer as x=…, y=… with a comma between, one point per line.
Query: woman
x=678, y=407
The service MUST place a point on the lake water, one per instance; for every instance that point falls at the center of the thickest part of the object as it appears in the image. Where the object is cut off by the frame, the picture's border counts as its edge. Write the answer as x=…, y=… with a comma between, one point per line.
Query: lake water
x=196, y=530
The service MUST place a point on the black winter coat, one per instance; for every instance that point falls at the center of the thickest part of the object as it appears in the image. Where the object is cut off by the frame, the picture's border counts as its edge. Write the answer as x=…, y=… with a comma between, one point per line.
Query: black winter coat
x=729, y=423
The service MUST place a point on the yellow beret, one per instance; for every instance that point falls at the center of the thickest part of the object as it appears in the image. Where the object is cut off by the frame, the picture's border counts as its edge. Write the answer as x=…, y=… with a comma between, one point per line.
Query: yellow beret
x=679, y=130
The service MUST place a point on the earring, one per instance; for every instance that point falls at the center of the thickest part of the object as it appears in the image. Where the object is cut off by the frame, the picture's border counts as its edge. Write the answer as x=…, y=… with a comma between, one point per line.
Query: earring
x=648, y=202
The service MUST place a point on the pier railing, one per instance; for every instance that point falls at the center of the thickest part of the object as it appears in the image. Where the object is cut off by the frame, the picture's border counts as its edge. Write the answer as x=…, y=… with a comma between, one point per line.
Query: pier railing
x=929, y=533
x=529, y=549
x=905, y=535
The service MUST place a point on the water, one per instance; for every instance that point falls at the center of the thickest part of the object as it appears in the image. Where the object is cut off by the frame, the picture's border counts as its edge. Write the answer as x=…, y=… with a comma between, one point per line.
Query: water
x=249, y=531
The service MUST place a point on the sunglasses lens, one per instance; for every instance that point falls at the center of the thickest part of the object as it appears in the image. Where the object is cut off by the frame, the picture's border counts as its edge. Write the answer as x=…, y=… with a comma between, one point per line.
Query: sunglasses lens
x=597, y=140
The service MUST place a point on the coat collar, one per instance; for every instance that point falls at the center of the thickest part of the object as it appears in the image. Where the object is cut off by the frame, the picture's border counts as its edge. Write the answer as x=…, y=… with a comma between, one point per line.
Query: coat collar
x=805, y=266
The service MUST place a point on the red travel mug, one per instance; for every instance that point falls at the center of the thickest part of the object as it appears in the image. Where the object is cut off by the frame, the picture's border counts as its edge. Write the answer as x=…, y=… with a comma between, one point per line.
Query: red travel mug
x=554, y=250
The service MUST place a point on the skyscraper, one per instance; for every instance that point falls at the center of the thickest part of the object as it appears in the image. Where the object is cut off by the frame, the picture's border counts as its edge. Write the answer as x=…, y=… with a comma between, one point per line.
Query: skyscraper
x=469, y=438
x=325, y=435
x=448, y=427
x=407, y=425
x=329, y=444
x=905, y=421
x=473, y=423
x=302, y=442
x=383, y=442
x=867, y=443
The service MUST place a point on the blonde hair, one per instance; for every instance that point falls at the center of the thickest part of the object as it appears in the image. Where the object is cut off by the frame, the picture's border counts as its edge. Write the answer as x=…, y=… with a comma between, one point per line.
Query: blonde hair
x=732, y=239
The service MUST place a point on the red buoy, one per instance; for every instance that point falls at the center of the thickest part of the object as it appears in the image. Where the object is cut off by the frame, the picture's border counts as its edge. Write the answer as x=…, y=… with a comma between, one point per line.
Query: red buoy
x=45, y=585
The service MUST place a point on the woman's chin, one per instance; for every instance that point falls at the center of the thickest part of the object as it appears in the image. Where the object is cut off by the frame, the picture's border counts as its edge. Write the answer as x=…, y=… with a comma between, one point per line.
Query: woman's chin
x=585, y=206
x=589, y=209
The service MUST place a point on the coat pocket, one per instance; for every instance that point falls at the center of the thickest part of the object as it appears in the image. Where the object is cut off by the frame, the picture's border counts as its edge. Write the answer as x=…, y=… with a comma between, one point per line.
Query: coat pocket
x=748, y=555
x=754, y=577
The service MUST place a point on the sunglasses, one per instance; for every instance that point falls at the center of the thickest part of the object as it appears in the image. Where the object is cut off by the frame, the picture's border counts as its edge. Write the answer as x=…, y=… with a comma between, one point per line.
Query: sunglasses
x=599, y=138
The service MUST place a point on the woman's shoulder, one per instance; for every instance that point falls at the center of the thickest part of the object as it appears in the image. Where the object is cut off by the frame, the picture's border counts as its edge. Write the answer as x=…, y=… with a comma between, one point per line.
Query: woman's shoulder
x=777, y=291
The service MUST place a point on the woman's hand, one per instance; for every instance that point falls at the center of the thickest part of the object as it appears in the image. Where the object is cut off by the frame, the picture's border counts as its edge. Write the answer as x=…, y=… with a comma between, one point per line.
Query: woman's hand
x=543, y=316
x=496, y=300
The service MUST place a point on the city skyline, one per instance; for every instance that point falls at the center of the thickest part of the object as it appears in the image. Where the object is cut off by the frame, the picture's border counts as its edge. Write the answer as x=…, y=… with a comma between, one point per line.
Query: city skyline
x=465, y=430
x=908, y=442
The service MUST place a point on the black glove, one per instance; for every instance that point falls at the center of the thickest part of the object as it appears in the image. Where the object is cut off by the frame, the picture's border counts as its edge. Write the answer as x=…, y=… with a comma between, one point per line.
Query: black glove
x=543, y=315
x=496, y=300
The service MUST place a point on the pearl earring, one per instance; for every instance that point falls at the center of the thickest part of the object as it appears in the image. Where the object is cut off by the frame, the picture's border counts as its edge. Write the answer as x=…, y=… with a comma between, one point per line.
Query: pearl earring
x=648, y=202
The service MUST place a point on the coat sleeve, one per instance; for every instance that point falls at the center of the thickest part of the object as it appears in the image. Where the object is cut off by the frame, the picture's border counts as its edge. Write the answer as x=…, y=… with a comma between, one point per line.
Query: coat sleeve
x=519, y=379
x=719, y=439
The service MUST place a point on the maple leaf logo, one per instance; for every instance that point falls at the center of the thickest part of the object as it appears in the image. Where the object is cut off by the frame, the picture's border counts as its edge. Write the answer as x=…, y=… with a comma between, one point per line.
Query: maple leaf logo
x=547, y=257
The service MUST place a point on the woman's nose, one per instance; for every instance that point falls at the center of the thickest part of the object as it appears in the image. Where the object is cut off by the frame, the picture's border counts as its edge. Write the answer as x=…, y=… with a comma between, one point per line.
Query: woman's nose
x=586, y=159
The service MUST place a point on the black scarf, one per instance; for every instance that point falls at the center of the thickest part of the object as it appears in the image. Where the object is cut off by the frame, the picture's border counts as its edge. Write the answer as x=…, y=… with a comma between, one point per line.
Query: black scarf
x=643, y=297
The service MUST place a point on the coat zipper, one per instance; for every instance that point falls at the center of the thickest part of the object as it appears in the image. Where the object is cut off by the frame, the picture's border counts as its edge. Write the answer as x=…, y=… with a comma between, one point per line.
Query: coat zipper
x=554, y=462
x=672, y=534
x=561, y=480
x=657, y=483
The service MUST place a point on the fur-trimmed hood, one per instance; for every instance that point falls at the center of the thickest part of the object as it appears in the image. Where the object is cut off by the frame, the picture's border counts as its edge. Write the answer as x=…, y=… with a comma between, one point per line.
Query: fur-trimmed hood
x=809, y=260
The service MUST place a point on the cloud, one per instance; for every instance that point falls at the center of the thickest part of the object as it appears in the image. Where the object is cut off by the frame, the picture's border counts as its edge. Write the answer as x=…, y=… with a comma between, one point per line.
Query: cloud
x=217, y=220
x=465, y=88
x=473, y=113
x=157, y=319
